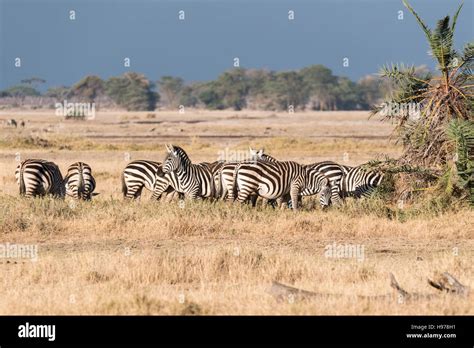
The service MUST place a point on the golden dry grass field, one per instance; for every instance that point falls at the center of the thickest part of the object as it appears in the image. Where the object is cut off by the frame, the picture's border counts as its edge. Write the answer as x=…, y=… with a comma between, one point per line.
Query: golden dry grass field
x=114, y=257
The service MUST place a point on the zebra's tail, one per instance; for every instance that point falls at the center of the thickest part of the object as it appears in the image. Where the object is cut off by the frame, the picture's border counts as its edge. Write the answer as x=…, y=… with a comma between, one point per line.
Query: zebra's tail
x=234, y=182
x=219, y=184
x=22, y=181
x=80, y=184
x=124, y=186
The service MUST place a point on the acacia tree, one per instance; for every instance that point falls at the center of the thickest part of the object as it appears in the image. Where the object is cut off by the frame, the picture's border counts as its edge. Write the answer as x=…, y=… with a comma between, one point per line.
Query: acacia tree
x=132, y=91
x=88, y=89
x=171, y=89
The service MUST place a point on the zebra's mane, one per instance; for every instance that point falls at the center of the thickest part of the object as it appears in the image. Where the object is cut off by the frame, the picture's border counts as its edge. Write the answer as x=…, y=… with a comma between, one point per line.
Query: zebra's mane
x=268, y=158
x=180, y=154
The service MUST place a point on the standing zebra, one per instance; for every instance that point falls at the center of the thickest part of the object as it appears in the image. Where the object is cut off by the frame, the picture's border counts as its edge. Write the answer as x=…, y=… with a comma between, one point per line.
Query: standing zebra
x=359, y=182
x=334, y=173
x=79, y=182
x=37, y=177
x=168, y=182
x=194, y=180
x=137, y=175
x=276, y=180
x=224, y=177
x=12, y=122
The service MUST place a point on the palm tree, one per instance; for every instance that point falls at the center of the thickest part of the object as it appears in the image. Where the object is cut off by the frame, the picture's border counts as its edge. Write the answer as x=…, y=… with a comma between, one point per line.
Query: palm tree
x=441, y=99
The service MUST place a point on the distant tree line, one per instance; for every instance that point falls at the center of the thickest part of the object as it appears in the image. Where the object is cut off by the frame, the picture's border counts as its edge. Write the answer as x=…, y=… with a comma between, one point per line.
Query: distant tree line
x=312, y=88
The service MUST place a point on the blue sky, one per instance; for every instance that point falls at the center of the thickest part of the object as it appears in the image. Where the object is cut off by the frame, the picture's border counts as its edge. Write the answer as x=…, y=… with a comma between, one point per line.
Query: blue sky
x=202, y=46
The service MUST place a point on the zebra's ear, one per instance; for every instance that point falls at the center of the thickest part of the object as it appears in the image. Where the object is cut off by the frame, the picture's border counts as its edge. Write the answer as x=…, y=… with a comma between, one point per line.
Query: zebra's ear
x=260, y=153
x=169, y=148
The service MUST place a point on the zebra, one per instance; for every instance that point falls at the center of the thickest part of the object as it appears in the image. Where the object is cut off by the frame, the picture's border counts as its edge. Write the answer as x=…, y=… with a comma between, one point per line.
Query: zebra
x=79, y=182
x=194, y=180
x=168, y=182
x=223, y=178
x=37, y=177
x=137, y=175
x=12, y=122
x=359, y=182
x=334, y=172
x=277, y=180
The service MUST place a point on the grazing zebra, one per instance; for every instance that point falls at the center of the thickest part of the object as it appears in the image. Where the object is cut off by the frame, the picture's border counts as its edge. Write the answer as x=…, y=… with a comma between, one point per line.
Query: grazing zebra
x=334, y=172
x=359, y=182
x=224, y=177
x=37, y=177
x=276, y=180
x=12, y=122
x=79, y=182
x=194, y=180
x=137, y=175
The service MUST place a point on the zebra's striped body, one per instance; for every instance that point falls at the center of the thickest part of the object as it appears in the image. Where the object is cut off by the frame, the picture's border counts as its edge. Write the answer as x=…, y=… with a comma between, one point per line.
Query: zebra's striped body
x=359, y=182
x=12, y=122
x=37, y=177
x=166, y=183
x=137, y=175
x=194, y=180
x=79, y=182
x=224, y=177
x=273, y=180
x=334, y=173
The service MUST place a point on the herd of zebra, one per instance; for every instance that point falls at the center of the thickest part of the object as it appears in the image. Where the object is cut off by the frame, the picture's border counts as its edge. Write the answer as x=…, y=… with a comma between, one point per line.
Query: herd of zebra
x=276, y=182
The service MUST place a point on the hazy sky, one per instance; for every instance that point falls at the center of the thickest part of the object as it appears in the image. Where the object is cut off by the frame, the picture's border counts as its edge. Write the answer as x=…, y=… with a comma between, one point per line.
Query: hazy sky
x=368, y=32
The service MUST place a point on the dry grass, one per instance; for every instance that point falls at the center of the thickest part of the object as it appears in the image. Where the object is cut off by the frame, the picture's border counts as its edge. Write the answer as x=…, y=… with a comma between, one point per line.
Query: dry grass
x=115, y=257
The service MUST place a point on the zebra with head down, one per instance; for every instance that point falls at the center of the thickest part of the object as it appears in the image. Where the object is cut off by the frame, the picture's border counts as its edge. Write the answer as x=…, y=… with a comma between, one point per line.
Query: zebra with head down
x=278, y=180
x=37, y=177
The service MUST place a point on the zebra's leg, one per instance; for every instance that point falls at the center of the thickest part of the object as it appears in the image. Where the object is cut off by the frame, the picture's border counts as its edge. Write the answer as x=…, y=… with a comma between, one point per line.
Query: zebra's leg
x=132, y=192
x=138, y=192
x=294, y=193
x=253, y=200
x=229, y=193
x=335, y=196
x=243, y=196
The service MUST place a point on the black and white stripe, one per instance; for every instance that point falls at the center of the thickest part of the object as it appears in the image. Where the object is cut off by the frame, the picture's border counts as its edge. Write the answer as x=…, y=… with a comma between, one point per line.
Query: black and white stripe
x=275, y=180
x=334, y=173
x=37, y=177
x=79, y=182
x=359, y=182
x=166, y=183
x=137, y=175
x=194, y=180
x=224, y=177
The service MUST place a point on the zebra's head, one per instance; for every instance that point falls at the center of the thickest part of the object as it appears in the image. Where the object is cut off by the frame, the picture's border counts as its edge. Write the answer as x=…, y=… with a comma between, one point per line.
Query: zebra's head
x=260, y=155
x=175, y=160
x=317, y=183
x=255, y=154
x=325, y=195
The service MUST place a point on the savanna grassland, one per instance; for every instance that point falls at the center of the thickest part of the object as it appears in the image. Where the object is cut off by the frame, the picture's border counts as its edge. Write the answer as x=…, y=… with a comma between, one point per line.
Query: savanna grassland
x=114, y=257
